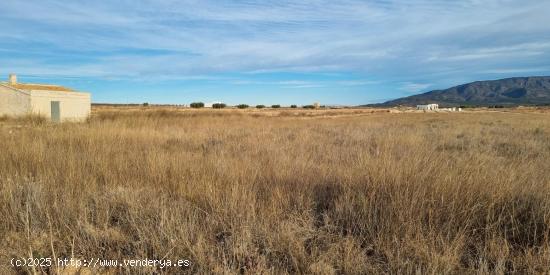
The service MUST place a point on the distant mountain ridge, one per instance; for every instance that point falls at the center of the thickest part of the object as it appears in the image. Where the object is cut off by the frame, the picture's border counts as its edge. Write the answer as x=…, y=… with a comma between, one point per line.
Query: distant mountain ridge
x=509, y=91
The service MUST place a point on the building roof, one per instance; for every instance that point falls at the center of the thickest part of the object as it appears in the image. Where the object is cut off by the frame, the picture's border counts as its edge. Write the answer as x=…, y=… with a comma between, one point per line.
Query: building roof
x=41, y=87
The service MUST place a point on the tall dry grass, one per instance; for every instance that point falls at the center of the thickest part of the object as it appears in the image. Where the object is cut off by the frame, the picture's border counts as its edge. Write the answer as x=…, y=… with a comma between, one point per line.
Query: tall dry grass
x=236, y=192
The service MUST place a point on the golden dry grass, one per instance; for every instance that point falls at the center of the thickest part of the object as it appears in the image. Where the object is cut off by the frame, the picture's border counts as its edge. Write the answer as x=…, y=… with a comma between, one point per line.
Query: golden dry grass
x=348, y=192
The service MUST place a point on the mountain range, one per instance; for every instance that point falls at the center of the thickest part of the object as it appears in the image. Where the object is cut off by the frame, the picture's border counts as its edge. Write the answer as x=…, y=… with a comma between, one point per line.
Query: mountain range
x=505, y=92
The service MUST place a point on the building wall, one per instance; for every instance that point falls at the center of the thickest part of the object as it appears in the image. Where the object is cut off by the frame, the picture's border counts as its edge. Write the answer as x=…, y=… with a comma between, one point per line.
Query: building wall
x=428, y=107
x=73, y=106
x=13, y=102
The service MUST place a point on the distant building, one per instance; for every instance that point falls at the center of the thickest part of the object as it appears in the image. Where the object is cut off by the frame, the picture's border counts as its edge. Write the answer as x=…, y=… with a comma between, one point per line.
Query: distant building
x=209, y=105
x=317, y=105
x=428, y=107
x=451, y=109
x=53, y=102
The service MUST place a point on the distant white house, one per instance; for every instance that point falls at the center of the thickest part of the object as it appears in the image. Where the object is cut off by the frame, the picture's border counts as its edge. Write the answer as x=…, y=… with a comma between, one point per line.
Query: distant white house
x=428, y=107
x=451, y=109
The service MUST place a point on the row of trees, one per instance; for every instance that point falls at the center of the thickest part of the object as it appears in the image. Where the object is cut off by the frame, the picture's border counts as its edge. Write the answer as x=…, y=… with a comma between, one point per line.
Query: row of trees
x=244, y=106
x=201, y=105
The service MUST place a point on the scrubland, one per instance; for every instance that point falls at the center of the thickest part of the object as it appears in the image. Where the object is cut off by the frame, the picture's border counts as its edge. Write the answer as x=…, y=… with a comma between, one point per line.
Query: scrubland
x=340, y=192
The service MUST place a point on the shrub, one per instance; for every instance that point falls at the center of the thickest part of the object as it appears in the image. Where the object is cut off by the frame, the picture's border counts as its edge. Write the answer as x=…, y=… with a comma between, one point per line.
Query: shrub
x=196, y=105
x=219, y=105
x=242, y=106
x=308, y=107
x=145, y=104
x=260, y=106
x=293, y=106
x=276, y=106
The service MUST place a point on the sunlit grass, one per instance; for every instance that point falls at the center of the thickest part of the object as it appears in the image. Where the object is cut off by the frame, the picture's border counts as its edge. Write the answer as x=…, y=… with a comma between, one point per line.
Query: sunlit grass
x=349, y=192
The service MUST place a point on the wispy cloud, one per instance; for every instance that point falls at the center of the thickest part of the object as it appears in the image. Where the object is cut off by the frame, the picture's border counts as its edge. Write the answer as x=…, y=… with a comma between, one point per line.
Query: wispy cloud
x=518, y=50
x=398, y=41
x=250, y=35
x=518, y=70
x=414, y=87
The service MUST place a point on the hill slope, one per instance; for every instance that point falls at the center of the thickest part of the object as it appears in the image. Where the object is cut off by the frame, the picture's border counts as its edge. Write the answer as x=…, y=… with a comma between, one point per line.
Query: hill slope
x=509, y=91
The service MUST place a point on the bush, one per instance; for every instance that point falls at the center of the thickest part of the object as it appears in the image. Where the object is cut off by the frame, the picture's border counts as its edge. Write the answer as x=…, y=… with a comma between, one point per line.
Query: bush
x=145, y=104
x=260, y=106
x=308, y=107
x=196, y=105
x=276, y=106
x=293, y=106
x=219, y=105
x=242, y=106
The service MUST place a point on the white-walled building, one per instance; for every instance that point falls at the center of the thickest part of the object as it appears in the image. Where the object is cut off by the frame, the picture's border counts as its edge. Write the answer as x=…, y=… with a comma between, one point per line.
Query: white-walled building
x=51, y=101
x=428, y=107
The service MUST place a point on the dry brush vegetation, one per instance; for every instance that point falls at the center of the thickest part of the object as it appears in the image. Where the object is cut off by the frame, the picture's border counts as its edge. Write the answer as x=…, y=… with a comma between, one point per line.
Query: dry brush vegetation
x=238, y=192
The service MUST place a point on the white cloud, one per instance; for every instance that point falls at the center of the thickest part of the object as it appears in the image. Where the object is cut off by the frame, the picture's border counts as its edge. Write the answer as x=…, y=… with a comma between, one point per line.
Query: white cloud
x=414, y=87
x=518, y=50
x=517, y=70
x=393, y=39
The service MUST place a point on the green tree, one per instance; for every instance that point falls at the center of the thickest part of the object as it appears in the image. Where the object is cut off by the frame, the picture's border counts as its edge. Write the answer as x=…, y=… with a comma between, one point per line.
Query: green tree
x=196, y=105
x=219, y=105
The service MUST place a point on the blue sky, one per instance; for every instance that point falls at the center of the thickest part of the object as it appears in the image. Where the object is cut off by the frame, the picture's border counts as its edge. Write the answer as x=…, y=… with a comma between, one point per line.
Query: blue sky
x=271, y=52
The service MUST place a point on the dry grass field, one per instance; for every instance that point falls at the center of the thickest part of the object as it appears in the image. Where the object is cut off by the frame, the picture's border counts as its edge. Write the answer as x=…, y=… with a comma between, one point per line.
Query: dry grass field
x=315, y=192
